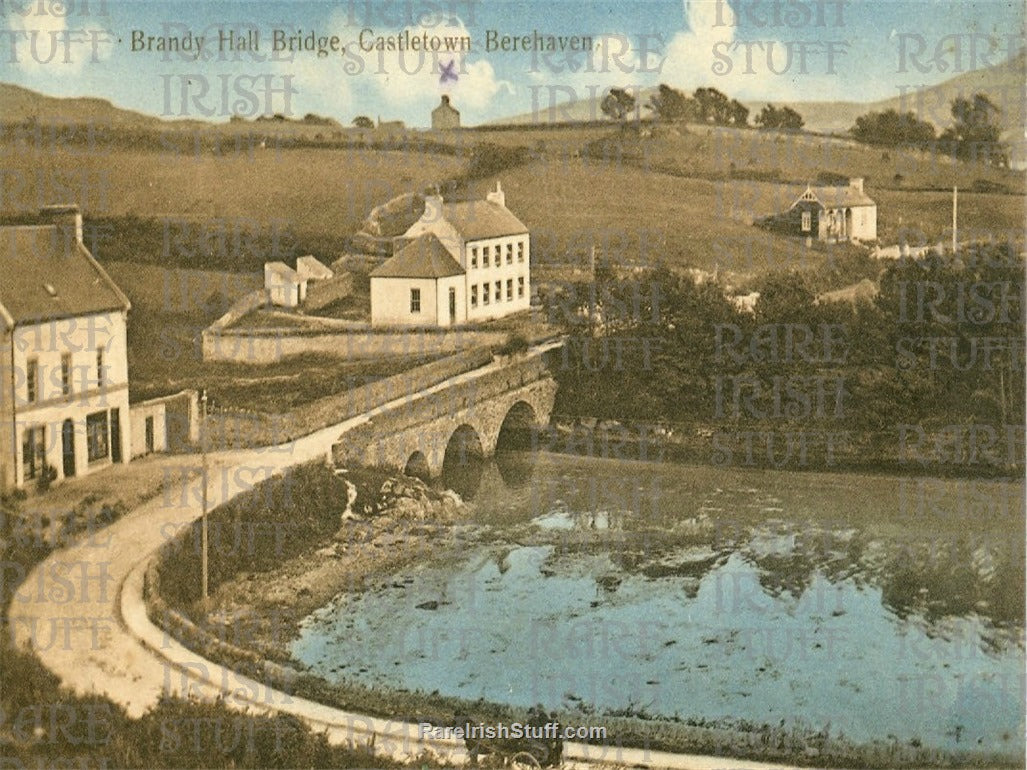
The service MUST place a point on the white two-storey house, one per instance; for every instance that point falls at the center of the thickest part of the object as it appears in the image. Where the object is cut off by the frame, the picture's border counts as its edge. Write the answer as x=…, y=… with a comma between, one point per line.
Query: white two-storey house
x=464, y=262
x=63, y=363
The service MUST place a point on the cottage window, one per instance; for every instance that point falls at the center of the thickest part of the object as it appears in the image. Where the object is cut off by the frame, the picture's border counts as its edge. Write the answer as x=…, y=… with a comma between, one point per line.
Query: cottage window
x=520, y=286
x=32, y=380
x=415, y=300
x=474, y=295
x=96, y=436
x=520, y=251
x=509, y=289
x=509, y=253
x=66, y=374
x=499, y=291
x=33, y=451
x=99, y=367
x=807, y=221
x=474, y=256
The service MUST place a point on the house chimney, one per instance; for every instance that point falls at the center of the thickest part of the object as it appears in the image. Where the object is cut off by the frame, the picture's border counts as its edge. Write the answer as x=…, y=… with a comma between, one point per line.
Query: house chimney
x=445, y=99
x=497, y=195
x=432, y=208
x=856, y=183
x=66, y=216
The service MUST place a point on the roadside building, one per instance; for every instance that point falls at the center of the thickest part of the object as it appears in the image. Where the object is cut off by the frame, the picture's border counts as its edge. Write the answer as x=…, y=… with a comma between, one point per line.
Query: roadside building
x=64, y=369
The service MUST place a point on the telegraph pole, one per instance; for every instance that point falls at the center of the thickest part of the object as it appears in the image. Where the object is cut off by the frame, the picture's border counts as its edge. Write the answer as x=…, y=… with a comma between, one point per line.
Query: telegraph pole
x=203, y=518
x=955, y=243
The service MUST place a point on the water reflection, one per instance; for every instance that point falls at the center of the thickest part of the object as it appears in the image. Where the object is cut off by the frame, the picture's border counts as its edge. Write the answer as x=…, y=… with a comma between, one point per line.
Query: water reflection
x=753, y=596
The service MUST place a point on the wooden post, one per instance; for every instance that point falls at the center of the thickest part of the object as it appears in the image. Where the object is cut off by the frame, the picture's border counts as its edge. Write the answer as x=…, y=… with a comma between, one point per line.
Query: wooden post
x=955, y=243
x=203, y=521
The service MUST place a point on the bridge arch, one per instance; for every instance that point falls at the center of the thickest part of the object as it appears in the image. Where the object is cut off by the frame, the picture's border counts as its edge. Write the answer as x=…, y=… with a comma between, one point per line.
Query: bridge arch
x=417, y=466
x=515, y=431
x=464, y=446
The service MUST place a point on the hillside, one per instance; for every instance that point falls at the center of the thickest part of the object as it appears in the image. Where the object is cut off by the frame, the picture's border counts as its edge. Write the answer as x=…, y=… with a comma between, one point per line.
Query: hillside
x=1004, y=84
x=18, y=105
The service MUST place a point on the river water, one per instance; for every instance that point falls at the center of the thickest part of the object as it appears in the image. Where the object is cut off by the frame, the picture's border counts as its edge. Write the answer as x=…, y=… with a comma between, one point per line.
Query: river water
x=876, y=607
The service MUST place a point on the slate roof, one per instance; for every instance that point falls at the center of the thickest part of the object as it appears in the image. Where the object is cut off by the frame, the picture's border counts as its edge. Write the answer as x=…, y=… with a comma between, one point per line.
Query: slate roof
x=841, y=196
x=424, y=257
x=45, y=275
x=479, y=219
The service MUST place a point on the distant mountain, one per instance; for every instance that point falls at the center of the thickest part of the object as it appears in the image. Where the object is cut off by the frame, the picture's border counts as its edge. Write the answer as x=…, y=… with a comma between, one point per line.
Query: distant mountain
x=1005, y=84
x=19, y=104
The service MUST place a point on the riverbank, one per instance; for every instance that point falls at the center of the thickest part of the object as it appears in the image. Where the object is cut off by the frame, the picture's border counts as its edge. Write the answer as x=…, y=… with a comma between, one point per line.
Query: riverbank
x=260, y=609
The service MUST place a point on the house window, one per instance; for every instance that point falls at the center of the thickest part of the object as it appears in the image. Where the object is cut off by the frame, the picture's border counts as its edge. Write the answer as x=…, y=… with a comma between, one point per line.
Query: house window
x=66, y=374
x=415, y=300
x=484, y=294
x=474, y=295
x=99, y=367
x=499, y=291
x=33, y=451
x=520, y=251
x=484, y=256
x=32, y=380
x=807, y=221
x=509, y=289
x=509, y=253
x=96, y=436
x=474, y=256
x=520, y=286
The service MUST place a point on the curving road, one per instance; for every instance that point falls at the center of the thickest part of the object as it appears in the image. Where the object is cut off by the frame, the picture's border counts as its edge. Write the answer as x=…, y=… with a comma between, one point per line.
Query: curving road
x=82, y=612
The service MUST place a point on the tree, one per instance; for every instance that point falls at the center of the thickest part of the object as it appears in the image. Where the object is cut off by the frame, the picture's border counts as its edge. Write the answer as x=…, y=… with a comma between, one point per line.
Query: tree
x=671, y=104
x=617, y=104
x=891, y=129
x=362, y=121
x=784, y=118
x=738, y=113
x=714, y=106
x=974, y=134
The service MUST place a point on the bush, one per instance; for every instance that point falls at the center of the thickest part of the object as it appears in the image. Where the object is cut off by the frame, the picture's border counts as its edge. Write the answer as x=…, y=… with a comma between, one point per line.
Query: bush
x=46, y=477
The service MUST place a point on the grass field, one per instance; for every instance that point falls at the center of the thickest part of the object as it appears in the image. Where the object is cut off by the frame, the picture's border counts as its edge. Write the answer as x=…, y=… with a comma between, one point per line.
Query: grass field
x=686, y=195
x=307, y=191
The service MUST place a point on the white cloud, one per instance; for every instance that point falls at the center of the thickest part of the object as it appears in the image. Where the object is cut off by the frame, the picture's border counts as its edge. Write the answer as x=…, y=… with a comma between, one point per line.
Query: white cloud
x=44, y=42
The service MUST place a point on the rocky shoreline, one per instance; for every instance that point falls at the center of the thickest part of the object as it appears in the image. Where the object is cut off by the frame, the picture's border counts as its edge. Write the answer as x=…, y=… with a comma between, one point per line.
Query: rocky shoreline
x=388, y=522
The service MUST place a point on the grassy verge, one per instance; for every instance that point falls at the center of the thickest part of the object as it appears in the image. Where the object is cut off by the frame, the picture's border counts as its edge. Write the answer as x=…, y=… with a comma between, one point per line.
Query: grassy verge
x=43, y=724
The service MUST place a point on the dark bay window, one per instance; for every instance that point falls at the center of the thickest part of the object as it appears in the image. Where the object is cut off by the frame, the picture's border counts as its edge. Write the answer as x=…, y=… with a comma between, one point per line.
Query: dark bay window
x=97, y=436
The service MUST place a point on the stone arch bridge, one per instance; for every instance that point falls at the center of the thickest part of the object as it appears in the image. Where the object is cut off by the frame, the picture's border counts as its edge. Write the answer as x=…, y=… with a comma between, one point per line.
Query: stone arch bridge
x=467, y=415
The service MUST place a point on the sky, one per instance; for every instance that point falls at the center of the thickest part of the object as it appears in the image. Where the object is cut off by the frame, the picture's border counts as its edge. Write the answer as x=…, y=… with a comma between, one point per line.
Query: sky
x=756, y=50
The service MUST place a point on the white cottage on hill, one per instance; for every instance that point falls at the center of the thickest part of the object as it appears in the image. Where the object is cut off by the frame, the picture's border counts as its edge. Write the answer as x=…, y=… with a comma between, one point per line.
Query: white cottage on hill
x=463, y=262
x=830, y=213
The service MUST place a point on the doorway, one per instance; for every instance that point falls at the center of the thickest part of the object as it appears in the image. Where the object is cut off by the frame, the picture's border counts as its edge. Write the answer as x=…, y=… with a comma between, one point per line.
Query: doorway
x=68, y=448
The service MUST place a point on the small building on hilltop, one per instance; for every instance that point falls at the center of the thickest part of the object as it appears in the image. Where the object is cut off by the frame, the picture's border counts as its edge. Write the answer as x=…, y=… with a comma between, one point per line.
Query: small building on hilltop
x=64, y=364
x=829, y=213
x=462, y=262
x=445, y=116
